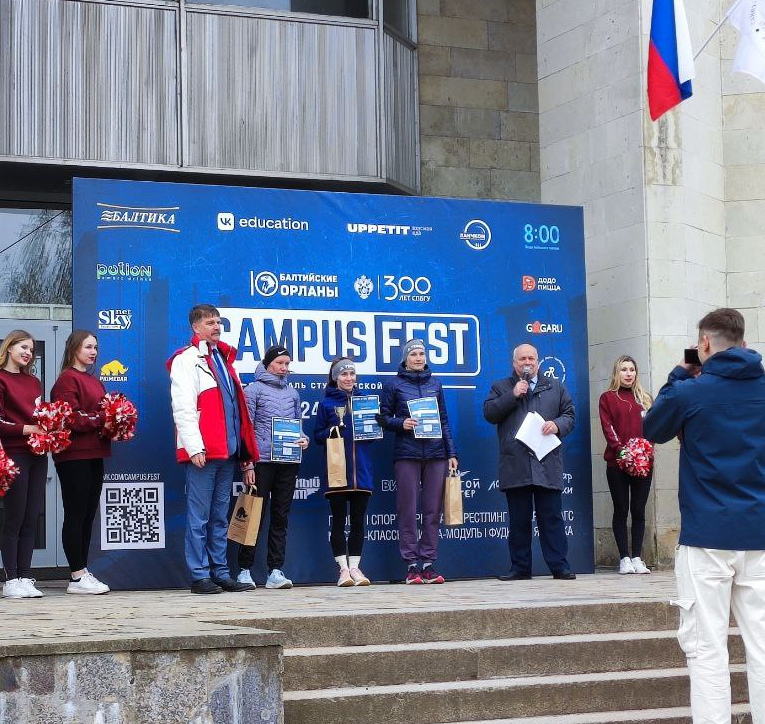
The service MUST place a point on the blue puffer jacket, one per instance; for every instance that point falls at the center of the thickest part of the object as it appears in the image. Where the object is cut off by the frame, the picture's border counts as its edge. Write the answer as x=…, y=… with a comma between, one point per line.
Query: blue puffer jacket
x=720, y=417
x=268, y=397
x=409, y=385
x=358, y=458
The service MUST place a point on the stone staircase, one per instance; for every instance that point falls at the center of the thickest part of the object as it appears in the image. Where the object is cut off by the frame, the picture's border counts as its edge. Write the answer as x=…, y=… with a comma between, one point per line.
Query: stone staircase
x=577, y=664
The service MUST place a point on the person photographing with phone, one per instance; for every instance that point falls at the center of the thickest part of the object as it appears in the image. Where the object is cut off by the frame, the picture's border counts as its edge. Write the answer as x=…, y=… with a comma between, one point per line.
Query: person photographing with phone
x=718, y=411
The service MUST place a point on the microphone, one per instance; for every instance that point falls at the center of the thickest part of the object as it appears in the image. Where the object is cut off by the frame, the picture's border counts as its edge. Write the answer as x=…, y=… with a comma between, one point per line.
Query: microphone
x=527, y=378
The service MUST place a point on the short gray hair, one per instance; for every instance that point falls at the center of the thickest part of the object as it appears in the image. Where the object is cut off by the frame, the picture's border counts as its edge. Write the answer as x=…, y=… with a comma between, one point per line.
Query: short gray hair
x=524, y=344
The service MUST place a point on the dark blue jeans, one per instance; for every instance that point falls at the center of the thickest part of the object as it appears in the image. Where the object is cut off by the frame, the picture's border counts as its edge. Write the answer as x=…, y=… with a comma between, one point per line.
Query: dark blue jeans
x=208, y=490
x=521, y=503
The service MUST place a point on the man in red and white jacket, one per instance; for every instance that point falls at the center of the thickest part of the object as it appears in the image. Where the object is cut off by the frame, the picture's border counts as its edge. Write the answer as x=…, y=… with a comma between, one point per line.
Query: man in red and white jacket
x=214, y=434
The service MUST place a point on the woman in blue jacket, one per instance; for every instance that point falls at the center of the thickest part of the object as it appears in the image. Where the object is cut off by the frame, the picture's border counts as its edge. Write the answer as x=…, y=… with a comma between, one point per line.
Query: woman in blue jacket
x=420, y=463
x=334, y=418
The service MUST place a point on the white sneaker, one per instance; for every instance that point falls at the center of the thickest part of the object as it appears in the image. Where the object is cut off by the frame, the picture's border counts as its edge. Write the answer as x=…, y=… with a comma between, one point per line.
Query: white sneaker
x=29, y=585
x=639, y=566
x=14, y=588
x=345, y=579
x=359, y=579
x=625, y=566
x=277, y=579
x=245, y=577
x=87, y=584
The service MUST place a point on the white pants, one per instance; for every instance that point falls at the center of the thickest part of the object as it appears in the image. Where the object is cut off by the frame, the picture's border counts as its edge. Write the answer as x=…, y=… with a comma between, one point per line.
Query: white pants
x=709, y=584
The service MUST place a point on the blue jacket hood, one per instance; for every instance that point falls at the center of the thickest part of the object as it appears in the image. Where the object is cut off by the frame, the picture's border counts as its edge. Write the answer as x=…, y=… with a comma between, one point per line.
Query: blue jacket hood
x=737, y=363
x=337, y=395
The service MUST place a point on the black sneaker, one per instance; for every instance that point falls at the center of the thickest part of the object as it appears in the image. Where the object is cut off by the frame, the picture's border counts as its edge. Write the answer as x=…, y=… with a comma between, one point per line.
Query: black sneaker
x=205, y=585
x=232, y=586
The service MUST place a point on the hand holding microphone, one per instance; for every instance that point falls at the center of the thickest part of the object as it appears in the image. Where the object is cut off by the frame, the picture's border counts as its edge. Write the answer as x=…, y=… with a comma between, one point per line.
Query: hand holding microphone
x=522, y=386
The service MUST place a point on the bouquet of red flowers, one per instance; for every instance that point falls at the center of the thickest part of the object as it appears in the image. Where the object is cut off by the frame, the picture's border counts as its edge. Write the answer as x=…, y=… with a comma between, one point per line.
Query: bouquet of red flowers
x=52, y=418
x=121, y=416
x=8, y=472
x=636, y=457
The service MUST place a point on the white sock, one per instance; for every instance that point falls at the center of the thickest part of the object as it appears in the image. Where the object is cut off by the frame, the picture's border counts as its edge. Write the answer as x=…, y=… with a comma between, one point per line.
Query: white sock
x=342, y=561
x=353, y=561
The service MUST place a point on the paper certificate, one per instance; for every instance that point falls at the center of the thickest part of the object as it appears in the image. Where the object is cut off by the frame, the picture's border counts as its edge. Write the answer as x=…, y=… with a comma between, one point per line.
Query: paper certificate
x=363, y=411
x=425, y=411
x=285, y=434
x=530, y=434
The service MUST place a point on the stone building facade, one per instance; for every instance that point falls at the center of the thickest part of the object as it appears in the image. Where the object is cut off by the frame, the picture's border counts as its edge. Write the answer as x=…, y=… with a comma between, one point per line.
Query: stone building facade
x=674, y=210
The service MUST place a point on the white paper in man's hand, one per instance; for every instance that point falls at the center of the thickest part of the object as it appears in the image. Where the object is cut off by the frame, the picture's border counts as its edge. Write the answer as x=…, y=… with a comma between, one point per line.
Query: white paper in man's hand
x=530, y=434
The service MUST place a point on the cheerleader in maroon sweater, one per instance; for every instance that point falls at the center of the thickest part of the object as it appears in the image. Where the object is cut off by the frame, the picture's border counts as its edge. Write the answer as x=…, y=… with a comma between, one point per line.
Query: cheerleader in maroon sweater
x=20, y=391
x=622, y=408
x=80, y=467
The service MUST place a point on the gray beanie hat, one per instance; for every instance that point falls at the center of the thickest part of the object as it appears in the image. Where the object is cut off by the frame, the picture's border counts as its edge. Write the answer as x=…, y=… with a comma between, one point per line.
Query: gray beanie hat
x=410, y=346
x=341, y=365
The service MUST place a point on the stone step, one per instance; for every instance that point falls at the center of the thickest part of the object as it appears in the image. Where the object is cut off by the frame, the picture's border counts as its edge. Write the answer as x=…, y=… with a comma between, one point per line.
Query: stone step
x=459, y=624
x=384, y=665
x=464, y=701
x=676, y=715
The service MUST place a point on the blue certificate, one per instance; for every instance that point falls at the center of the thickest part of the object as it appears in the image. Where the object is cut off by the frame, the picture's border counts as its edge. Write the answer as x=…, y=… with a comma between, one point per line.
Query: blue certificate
x=285, y=434
x=425, y=411
x=363, y=411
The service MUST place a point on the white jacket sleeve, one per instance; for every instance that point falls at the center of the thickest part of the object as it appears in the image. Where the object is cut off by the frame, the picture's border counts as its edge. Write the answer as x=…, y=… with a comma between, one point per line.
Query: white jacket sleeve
x=184, y=393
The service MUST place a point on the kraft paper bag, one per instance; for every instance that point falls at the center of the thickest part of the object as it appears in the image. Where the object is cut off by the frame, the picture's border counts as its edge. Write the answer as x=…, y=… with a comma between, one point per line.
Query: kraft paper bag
x=453, y=500
x=245, y=520
x=336, y=460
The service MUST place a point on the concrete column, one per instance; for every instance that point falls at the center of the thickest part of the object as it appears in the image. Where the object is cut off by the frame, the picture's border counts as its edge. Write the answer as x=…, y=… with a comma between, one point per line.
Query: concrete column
x=478, y=99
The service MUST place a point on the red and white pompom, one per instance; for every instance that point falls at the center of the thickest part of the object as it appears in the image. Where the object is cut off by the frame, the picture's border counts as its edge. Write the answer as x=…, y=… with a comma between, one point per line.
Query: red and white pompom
x=636, y=458
x=52, y=418
x=8, y=472
x=121, y=416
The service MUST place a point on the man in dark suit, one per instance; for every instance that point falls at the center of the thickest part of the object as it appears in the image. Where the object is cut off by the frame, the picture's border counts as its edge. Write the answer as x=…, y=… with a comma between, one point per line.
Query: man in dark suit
x=528, y=483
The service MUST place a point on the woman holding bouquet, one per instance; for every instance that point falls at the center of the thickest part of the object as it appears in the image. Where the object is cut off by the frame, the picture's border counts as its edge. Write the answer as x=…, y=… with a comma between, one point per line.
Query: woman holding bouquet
x=80, y=467
x=20, y=391
x=622, y=408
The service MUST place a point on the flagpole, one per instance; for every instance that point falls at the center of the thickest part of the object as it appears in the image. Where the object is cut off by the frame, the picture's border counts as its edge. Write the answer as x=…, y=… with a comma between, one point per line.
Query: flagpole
x=717, y=28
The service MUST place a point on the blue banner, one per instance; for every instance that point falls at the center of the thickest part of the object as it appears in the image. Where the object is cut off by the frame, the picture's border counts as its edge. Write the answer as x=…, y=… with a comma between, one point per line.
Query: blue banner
x=326, y=274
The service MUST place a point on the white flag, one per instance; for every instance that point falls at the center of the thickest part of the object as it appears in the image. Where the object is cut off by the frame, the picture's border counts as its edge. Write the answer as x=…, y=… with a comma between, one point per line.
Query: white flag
x=749, y=19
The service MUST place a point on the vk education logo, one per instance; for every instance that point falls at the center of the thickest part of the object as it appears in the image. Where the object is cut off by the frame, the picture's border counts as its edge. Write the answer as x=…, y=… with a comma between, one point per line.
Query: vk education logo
x=226, y=221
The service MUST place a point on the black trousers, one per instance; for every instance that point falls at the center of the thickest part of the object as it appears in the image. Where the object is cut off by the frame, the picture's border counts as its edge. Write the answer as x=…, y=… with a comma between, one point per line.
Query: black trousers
x=628, y=494
x=354, y=506
x=275, y=482
x=81, y=483
x=23, y=503
x=521, y=505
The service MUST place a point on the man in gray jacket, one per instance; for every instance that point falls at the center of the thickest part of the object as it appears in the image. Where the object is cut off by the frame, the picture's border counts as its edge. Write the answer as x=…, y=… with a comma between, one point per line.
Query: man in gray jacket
x=530, y=484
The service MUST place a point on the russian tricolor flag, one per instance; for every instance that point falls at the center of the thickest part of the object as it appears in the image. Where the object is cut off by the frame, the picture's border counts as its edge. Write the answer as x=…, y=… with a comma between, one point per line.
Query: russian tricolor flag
x=670, y=57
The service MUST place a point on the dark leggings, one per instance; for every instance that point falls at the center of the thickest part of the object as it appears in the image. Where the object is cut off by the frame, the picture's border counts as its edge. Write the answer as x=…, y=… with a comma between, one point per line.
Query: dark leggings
x=630, y=494
x=81, y=483
x=355, y=506
x=23, y=504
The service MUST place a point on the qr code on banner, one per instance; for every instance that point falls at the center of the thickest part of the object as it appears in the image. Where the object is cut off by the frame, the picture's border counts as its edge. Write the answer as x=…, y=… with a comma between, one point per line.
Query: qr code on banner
x=132, y=516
